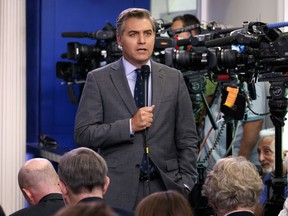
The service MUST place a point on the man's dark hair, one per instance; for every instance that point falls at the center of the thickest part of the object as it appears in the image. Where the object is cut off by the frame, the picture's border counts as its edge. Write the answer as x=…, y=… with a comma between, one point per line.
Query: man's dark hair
x=82, y=170
x=190, y=19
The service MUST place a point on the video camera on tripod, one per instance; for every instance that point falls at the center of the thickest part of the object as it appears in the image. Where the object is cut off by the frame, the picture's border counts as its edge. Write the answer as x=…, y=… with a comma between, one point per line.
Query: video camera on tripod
x=262, y=56
x=263, y=51
x=84, y=58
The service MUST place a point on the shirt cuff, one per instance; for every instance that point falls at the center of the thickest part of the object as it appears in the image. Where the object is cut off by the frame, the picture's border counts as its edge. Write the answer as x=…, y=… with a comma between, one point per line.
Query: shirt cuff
x=187, y=187
x=130, y=126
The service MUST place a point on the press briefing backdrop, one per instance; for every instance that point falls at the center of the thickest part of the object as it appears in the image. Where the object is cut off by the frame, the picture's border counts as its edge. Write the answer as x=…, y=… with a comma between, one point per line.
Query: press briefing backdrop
x=49, y=109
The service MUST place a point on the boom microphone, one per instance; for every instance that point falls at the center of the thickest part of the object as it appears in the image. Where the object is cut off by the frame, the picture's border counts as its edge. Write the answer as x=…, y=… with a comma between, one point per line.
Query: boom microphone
x=74, y=34
x=145, y=72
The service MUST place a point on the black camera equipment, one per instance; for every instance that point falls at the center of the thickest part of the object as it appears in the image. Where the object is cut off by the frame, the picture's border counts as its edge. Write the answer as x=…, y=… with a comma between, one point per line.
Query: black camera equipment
x=84, y=58
x=264, y=58
x=278, y=109
x=162, y=27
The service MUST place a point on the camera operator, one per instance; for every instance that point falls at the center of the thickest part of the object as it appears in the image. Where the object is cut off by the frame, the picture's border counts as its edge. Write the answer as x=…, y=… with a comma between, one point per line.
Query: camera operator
x=179, y=22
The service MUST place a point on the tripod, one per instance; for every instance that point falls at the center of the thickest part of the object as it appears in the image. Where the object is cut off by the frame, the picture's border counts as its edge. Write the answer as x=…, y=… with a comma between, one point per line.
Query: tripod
x=196, y=83
x=278, y=110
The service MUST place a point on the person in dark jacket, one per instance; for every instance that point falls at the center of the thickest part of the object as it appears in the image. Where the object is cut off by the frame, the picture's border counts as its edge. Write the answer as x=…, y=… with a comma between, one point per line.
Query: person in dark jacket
x=83, y=178
x=39, y=184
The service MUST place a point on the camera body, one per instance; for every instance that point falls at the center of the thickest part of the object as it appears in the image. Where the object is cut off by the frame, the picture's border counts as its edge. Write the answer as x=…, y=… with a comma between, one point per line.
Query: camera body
x=84, y=58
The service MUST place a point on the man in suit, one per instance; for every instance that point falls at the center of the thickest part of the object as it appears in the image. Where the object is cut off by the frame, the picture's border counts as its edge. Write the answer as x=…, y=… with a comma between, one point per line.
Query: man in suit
x=233, y=187
x=83, y=178
x=109, y=121
x=39, y=184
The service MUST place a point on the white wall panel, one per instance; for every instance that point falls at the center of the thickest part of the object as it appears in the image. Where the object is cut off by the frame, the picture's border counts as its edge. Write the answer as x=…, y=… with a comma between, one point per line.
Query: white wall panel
x=13, y=101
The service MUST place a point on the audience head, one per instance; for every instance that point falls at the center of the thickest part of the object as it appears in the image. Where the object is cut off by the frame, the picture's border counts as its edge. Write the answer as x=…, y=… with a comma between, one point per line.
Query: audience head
x=177, y=23
x=190, y=19
x=38, y=178
x=182, y=21
x=82, y=173
x=266, y=149
x=233, y=184
x=87, y=209
x=165, y=203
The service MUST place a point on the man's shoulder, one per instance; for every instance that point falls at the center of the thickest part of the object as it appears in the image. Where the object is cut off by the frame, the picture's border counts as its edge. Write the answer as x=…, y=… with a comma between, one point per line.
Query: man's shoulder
x=37, y=210
x=47, y=206
x=21, y=212
x=118, y=210
x=159, y=66
x=123, y=212
x=111, y=66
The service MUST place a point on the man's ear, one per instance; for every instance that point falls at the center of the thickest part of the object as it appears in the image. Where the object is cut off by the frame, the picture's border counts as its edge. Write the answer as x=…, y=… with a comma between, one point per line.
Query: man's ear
x=118, y=37
x=63, y=188
x=28, y=196
x=107, y=182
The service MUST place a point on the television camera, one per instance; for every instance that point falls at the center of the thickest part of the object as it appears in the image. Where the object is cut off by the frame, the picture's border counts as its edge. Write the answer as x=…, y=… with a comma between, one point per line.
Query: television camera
x=84, y=58
x=256, y=52
x=256, y=49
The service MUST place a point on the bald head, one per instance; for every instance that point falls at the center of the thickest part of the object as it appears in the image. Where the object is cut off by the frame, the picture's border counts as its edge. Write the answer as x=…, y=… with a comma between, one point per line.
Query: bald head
x=38, y=177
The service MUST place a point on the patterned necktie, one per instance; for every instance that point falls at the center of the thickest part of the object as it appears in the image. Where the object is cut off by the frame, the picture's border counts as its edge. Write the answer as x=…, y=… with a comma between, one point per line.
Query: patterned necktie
x=138, y=92
x=138, y=97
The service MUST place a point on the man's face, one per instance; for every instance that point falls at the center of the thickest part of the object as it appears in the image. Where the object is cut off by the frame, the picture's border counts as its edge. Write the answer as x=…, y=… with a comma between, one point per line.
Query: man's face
x=266, y=153
x=137, y=41
x=177, y=25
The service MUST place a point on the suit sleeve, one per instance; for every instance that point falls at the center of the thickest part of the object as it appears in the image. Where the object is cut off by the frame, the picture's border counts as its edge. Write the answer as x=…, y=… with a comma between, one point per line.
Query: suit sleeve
x=186, y=136
x=90, y=128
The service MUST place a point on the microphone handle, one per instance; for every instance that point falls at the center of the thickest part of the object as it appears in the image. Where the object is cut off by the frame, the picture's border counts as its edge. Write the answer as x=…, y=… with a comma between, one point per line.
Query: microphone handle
x=146, y=91
x=145, y=72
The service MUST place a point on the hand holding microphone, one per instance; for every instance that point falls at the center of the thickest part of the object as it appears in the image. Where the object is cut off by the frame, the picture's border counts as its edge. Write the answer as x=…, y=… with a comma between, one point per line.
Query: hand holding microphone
x=144, y=116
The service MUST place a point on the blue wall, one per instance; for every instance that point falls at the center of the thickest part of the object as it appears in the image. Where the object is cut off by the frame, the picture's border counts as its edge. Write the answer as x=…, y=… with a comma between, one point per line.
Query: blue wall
x=49, y=109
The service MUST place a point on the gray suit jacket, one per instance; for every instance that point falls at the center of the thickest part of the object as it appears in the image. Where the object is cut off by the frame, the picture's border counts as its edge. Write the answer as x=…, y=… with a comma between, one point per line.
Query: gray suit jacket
x=102, y=123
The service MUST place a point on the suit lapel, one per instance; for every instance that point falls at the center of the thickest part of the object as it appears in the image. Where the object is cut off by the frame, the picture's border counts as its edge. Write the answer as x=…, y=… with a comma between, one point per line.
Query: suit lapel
x=120, y=82
x=158, y=81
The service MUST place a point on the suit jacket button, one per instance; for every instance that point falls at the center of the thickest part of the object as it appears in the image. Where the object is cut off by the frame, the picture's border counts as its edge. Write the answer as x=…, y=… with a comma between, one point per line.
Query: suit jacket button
x=137, y=166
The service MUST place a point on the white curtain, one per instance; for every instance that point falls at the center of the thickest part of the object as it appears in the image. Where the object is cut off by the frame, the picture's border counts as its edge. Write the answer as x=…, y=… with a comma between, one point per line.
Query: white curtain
x=13, y=101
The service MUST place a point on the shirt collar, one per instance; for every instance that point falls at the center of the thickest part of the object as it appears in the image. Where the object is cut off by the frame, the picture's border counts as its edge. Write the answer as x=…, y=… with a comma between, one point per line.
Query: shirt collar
x=129, y=68
x=236, y=211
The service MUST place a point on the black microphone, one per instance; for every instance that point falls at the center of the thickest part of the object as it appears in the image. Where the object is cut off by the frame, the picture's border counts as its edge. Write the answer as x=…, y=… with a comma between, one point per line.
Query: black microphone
x=98, y=35
x=75, y=34
x=229, y=40
x=145, y=72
